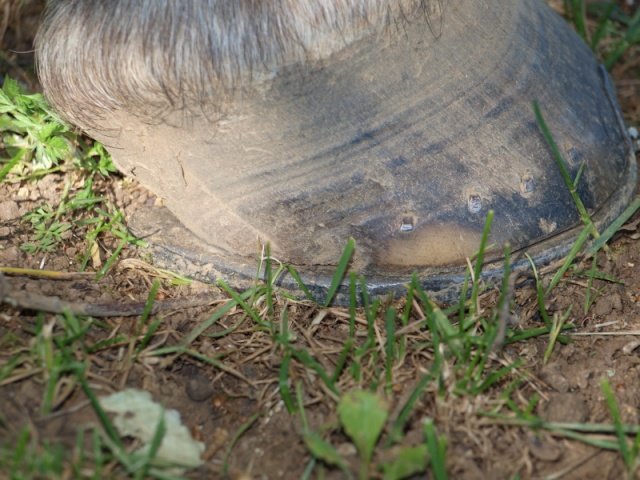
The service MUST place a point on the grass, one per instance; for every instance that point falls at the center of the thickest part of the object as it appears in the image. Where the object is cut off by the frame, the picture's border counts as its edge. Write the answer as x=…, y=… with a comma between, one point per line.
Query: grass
x=393, y=376
x=38, y=144
x=617, y=436
x=457, y=343
x=615, y=31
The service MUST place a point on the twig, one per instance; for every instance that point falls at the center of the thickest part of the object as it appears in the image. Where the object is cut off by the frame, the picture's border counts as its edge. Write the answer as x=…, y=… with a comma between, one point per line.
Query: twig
x=45, y=303
x=49, y=274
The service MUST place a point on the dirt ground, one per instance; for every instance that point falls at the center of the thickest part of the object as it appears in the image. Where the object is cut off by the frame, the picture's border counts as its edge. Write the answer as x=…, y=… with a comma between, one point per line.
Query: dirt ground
x=215, y=403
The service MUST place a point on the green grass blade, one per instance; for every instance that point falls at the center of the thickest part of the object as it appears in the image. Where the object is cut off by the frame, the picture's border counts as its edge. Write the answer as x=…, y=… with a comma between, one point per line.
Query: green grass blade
x=283, y=383
x=540, y=293
x=586, y=219
x=437, y=451
x=532, y=332
x=19, y=452
x=370, y=311
x=588, y=299
x=148, y=335
x=154, y=446
x=390, y=330
x=342, y=359
x=397, y=429
x=110, y=261
x=596, y=275
x=493, y=377
x=303, y=287
x=579, y=17
x=305, y=358
x=352, y=304
x=11, y=163
x=236, y=436
x=240, y=301
x=408, y=304
x=8, y=367
x=269, y=282
x=571, y=256
x=614, y=227
x=303, y=415
x=148, y=306
x=554, y=334
x=340, y=270
x=603, y=21
x=617, y=423
x=284, y=326
x=306, y=475
x=463, y=300
x=112, y=434
x=214, y=317
x=475, y=288
x=324, y=451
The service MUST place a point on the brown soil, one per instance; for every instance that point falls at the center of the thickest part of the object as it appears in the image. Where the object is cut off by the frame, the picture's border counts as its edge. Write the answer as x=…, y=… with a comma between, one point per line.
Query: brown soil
x=215, y=403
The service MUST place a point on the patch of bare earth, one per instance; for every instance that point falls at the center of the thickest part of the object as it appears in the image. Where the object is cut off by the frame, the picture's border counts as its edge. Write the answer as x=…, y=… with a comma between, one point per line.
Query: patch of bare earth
x=215, y=402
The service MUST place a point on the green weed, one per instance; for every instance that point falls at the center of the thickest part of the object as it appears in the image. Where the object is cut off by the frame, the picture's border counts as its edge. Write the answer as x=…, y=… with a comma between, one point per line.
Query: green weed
x=38, y=144
x=29, y=126
x=363, y=416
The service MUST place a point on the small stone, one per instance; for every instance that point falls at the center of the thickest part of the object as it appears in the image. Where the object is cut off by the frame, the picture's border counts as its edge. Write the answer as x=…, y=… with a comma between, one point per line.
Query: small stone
x=547, y=226
x=9, y=210
x=582, y=379
x=545, y=449
x=566, y=407
x=275, y=361
x=616, y=301
x=199, y=388
x=249, y=371
x=630, y=347
x=347, y=449
x=105, y=297
x=552, y=375
x=9, y=255
x=604, y=306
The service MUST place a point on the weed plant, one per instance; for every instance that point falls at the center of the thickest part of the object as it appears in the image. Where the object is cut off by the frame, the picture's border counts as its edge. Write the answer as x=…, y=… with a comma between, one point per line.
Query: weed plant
x=39, y=144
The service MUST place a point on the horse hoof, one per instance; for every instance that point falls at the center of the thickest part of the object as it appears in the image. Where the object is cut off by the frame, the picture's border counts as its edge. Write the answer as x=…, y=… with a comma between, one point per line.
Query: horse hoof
x=403, y=137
